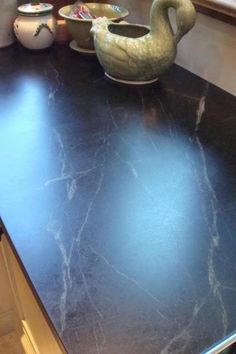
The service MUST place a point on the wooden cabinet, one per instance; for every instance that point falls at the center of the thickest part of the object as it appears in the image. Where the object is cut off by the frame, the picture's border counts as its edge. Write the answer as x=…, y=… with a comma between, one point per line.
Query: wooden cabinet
x=24, y=326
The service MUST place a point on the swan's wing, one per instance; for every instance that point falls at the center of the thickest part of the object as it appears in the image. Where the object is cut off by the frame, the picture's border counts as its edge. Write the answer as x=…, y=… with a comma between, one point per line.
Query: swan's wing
x=118, y=50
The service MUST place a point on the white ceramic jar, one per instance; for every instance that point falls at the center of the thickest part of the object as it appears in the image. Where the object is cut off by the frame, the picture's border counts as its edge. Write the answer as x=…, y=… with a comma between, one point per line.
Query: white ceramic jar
x=35, y=26
x=7, y=17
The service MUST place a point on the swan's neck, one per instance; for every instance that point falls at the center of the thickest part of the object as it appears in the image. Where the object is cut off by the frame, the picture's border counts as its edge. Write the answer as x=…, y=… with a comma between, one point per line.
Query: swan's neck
x=159, y=18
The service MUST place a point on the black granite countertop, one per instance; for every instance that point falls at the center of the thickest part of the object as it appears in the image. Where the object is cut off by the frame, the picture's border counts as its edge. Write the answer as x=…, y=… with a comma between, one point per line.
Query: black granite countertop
x=121, y=202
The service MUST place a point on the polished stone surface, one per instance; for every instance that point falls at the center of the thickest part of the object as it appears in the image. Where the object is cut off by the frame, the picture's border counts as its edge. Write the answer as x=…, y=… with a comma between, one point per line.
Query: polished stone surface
x=121, y=202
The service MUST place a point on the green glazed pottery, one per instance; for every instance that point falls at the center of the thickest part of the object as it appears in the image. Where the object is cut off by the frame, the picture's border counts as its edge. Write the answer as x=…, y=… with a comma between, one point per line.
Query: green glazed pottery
x=80, y=28
x=138, y=54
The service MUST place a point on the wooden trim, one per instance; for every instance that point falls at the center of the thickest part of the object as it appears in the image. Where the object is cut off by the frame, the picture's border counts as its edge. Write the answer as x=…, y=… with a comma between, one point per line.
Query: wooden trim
x=28, y=341
x=3, y=230
x=217, y=15
x=226, y=7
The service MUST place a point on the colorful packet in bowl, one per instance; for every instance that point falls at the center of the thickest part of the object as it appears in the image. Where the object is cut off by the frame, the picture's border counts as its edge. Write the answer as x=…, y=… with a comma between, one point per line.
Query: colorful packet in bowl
x=81, y=10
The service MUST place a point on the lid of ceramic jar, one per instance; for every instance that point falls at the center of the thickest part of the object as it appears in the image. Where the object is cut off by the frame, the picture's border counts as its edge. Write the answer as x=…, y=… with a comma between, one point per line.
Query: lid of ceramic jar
x=34, y=8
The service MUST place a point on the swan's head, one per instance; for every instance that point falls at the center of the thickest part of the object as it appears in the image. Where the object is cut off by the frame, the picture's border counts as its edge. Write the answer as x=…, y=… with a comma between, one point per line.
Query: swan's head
x=99, y=24
x=185, y=19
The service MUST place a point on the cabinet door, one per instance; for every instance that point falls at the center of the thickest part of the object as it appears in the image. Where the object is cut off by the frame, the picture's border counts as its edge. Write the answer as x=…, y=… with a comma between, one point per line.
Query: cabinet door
x=7, y=304
x=38, y=330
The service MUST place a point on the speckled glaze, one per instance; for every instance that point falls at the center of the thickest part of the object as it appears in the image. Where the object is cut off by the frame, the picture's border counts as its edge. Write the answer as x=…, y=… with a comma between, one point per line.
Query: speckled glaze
x=142, y=57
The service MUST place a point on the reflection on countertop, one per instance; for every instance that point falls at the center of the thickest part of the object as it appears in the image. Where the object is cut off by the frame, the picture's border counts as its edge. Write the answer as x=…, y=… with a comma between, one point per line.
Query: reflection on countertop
x=121, y=202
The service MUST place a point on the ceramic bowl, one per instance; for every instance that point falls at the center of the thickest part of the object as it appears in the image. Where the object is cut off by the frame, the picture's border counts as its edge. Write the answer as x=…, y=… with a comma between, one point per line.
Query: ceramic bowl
x=79, y=29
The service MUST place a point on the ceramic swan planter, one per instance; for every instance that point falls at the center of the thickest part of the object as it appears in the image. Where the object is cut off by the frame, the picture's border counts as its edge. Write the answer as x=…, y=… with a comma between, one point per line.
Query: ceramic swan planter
x=139, y=54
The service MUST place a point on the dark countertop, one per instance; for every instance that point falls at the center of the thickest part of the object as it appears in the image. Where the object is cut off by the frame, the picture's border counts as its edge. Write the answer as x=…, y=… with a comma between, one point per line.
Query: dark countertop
x=121, y=202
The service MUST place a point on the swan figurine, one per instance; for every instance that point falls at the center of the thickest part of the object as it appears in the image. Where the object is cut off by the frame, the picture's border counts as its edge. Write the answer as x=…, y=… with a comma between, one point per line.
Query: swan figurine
x=139, y=54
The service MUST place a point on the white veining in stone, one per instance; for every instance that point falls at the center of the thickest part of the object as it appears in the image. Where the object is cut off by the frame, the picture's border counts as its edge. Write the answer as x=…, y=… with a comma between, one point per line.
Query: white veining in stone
x=171, y=132
x=128, y=163
x=90, y=206
x=133, y=171
x=110, y=110
x=71, y=179
x=200, y=111
x=153, y=144
x=130, y=280
x=213, y=224
x=184, y=334
x=62, y=154
x=71, y=183
x=77, y=238
x=53, y=92
x=228, y=288
x=116, y=126
x=89, y=295
x=96, y=340
x=102, y=344
x=55, y=229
